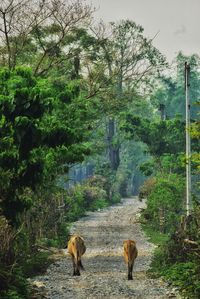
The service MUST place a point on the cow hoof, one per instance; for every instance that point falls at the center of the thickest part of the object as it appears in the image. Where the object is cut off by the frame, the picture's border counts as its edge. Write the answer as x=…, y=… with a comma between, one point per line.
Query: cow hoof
x=130, y=278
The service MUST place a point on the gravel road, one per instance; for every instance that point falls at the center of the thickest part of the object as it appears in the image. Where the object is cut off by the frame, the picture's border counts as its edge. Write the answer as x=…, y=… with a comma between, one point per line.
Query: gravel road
x=106, y=273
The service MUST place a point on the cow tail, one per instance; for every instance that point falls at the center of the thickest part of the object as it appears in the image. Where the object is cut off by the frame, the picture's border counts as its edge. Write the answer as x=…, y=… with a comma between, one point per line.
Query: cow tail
x=77, y=257
x=129, y=255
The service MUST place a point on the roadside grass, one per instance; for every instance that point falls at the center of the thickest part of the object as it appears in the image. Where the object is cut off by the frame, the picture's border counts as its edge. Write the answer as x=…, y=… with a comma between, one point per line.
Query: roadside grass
x=155, y=237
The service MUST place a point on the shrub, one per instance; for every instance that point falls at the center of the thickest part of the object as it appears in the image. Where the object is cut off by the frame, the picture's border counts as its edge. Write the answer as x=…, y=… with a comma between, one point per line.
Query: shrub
x=36, y=264
x=18, y=287
x=99, y=204
x=88, y=196
x=183, y=274
x=165, y=202
x=146, y=189
x=6, y=239
x=178, y=261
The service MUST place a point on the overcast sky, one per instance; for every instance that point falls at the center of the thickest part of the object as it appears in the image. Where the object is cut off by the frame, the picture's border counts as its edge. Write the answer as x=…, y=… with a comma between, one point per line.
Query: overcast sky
x=177, y=21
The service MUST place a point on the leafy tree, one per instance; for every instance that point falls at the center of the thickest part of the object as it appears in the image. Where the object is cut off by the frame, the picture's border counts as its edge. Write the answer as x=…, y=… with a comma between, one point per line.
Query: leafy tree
x=35, y=32
x=162, y=137
x=170, y=91
x=44, y=127
x=129, y=61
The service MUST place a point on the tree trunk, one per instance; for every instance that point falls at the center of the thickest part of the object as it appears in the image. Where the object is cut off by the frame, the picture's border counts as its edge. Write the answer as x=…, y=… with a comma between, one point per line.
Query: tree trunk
x=113, y=149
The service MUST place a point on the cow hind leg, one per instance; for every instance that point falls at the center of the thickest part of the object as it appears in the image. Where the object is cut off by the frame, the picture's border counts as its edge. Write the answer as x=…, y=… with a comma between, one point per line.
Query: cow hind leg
x=81, y=265
x=130, y=271
x=74, y=266
x=77, y=271
x=77, y=268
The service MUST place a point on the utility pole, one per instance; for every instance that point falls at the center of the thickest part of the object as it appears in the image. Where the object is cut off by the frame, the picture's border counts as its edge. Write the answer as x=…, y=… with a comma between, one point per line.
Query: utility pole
x=188, y=144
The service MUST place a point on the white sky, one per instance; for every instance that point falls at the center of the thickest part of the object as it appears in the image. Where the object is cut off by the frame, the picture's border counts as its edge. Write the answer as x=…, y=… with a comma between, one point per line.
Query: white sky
x=178, y=21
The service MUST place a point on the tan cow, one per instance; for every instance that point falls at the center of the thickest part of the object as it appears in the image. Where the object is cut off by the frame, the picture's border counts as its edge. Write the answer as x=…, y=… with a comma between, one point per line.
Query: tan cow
x=76, y=249
x=130, y=254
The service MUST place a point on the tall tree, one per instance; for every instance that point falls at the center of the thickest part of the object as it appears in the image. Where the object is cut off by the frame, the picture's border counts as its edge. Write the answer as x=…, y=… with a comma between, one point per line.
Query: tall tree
x=130, y=61
x=38, y=29
x=44, y=127
x=170, y=92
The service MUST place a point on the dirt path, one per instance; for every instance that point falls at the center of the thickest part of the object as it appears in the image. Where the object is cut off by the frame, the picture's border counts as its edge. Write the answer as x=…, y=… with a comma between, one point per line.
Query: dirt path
x=106, y=273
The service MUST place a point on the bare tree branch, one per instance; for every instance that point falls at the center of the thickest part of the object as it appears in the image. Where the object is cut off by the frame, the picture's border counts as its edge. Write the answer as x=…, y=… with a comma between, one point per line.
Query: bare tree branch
x=18, y=20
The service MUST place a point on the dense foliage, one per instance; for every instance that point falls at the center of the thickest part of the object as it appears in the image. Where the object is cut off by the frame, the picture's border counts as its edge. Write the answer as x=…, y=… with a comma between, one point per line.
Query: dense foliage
x=38, y=135
x=70, y=93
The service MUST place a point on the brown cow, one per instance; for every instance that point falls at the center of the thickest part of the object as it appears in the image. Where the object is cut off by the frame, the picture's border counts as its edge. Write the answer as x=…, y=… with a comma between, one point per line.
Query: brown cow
x=76, y=249
x=130, y=254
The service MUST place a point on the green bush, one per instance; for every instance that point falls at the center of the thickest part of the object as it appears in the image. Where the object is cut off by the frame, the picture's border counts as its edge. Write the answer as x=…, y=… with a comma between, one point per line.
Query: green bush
x=165, y=203
x=186, y=277
x=75, y=206
x=11, y=294
x=36, y=264
x=17, y=288
x=116, y=198
x=99, y=204
x=146, y=189
x=90, y=195
x=178, y=261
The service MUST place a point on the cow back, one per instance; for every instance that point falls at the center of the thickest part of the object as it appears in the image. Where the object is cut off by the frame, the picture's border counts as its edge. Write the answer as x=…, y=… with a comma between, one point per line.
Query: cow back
x=76, y=245
x=130, y=250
